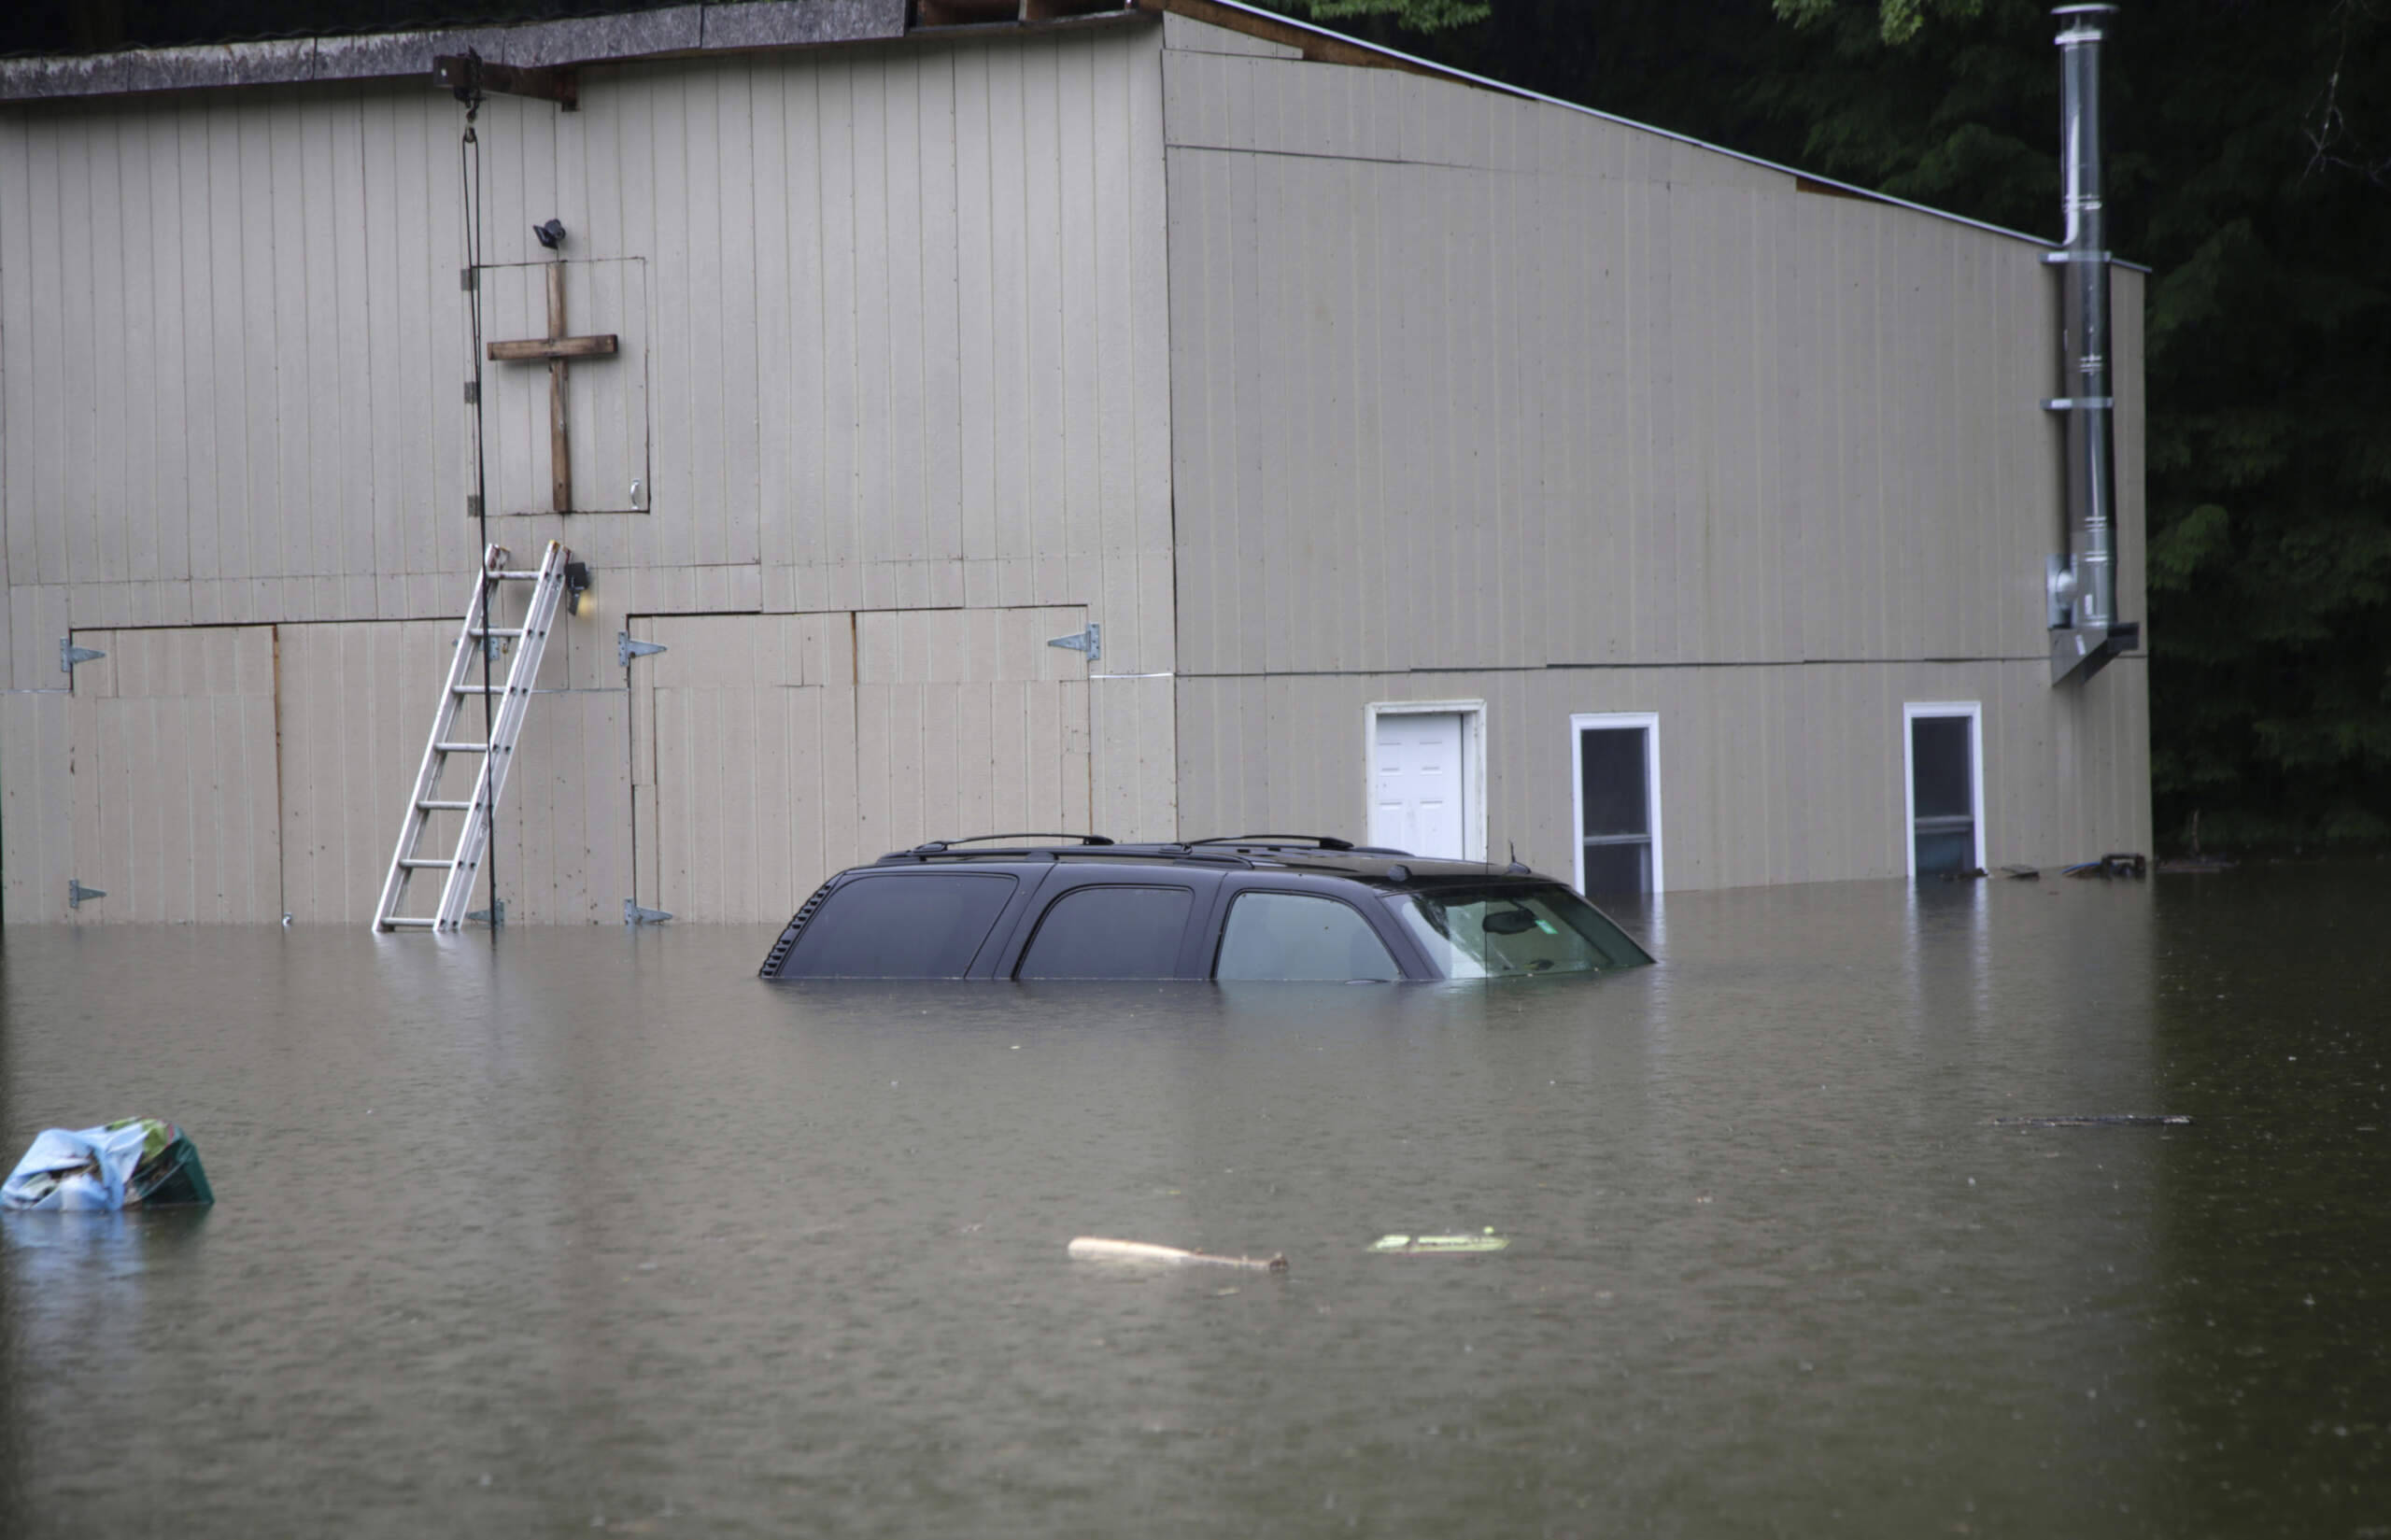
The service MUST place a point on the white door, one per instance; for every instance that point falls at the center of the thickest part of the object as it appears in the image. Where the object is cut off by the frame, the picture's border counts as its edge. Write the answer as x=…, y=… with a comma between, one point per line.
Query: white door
x=1416, y=792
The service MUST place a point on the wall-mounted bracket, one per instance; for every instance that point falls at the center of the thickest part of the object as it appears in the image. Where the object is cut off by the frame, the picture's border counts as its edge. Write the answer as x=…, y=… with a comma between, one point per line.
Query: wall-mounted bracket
x=469, y=75
x=2079, y=651
x=1090, y=642
x=494, y=915
x=78, y=895
x=626, y=649
x=634, y=915
x=69, y=654
x=2059, y=590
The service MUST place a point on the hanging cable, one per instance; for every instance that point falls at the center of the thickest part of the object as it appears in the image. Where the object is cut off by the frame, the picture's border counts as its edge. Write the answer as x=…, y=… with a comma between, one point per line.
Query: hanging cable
x=469, y=179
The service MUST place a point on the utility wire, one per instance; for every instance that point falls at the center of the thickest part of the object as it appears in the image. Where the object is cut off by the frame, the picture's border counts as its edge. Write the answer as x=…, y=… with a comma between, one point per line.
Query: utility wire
x=469, y=179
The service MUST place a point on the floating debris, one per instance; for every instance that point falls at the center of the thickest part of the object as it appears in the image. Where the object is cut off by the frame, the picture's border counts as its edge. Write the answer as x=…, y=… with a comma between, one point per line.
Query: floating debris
x=1488, y=1241
x=2099, y=1120
x=1097, y=1249
x=130, y=1162
x=2115, y=864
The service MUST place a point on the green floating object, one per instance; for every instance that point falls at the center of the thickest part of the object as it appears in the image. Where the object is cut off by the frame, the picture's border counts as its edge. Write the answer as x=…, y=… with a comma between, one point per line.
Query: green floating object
x=1488, y=1241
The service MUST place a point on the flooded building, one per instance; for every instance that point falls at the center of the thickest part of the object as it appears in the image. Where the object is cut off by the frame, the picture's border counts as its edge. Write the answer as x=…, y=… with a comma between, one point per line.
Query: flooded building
x=1399, y=456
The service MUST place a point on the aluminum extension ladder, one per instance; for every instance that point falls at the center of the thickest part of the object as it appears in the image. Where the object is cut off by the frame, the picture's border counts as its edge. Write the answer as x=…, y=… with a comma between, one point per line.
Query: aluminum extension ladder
x=466, y=673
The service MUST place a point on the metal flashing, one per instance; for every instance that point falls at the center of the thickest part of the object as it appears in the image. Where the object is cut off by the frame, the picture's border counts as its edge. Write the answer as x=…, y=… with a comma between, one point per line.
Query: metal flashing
x=679, y=30
x=1807, y=181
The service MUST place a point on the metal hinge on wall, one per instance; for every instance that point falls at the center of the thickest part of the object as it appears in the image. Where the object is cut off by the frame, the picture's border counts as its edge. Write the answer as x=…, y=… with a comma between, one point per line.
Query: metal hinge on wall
x=634, y=915
x=78, y=895
x=1089, y=641
x=69, y=654
x=494, y=915
x=626, y=649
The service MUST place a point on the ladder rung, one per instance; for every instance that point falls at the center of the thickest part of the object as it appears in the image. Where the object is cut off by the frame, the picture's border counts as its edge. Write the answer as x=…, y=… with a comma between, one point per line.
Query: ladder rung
x=481, y=689
x=411, y=861
x=462, y=748
x=395, y=921
x=445, y=807
x=499, y=630
x=513, y=576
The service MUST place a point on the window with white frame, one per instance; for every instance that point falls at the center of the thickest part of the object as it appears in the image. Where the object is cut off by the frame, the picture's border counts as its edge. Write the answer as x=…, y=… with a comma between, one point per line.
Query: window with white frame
x=1943, y=765
x=1616, y=760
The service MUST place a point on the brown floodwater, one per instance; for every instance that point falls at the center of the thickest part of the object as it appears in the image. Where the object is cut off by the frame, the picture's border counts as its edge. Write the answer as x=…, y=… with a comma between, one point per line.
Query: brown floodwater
x=590, y=1230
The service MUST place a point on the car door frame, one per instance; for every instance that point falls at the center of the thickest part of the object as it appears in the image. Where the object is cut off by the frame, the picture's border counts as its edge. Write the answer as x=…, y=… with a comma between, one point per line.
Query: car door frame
x=1068, y=877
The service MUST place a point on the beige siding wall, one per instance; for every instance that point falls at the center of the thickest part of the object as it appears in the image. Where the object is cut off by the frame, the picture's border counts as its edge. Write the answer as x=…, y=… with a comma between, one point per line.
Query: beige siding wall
x=898, y=315
x=1767, y=774
x=1475, y=396
x=773, y=750
x=172, y=752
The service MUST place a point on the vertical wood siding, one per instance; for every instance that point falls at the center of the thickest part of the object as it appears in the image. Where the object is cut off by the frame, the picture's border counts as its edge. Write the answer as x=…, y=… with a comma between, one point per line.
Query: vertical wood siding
x=1482, y=397
x=1768, y=775
x=901, y=328
x=773, y=750
x=176, y=789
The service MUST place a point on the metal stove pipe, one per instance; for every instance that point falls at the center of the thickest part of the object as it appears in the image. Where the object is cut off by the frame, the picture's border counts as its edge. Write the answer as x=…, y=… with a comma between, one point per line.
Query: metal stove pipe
x=2084, y=588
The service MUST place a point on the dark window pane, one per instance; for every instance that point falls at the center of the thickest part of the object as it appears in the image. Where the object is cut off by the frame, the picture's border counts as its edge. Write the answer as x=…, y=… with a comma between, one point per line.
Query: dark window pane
x=1951, y=851
x=901, y=926
x=1611, y=766
x=1110, y=933
x=1290, y=937
x=1940, y=768
x=1625, y=868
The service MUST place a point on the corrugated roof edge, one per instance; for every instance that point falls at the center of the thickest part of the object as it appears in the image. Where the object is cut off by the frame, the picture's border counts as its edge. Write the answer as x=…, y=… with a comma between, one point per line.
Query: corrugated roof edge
x=369, y=56
x=1225, y=12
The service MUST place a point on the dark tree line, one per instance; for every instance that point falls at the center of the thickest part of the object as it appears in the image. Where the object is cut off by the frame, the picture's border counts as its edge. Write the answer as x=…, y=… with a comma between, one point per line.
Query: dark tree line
x=2250, y=168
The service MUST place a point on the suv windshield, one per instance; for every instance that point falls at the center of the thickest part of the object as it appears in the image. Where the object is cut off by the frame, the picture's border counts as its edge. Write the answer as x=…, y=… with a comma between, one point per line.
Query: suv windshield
x=1496, y=930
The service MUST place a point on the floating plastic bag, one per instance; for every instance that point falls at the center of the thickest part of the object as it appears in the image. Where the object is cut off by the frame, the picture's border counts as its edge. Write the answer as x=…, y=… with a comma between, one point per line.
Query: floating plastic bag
x=129, y=1162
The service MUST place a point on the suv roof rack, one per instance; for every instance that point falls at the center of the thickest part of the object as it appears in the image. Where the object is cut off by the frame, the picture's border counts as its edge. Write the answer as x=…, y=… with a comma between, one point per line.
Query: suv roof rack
x=932, y=847
x=1313, y=842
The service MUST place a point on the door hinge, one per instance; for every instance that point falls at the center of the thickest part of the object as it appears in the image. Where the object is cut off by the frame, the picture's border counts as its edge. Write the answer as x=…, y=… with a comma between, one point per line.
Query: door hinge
x=467, y=279
x=472, y=505
x=626, y=649
x=494, y=915
x=1089, y=641
x=77, y=894
x=472, y=392
x=69, y=654
x=634, y=915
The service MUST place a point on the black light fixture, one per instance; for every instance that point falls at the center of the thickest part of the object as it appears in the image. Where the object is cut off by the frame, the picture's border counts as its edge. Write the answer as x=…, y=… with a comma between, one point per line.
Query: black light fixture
x=577, y=583
x=551, y=235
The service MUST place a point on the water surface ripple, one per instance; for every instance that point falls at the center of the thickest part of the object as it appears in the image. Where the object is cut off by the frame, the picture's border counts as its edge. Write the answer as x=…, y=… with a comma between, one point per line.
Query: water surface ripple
x=590, y=1230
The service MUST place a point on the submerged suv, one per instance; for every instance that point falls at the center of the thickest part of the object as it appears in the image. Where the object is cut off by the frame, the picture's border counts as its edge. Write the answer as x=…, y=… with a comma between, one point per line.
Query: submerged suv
x=1248, y=907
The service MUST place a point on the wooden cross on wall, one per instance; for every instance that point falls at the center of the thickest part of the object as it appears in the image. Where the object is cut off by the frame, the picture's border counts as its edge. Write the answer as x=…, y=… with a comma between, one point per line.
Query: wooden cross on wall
x=557, y=349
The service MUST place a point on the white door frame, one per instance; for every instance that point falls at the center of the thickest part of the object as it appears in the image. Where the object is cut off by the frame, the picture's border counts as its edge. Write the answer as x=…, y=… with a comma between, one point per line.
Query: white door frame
x=1579, y=723
x=1911, y=711
x=1473, y=761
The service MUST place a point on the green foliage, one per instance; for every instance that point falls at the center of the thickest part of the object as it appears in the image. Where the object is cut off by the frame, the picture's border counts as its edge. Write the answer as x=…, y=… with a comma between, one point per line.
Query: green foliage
x=1412, y=15
x=1897, y=20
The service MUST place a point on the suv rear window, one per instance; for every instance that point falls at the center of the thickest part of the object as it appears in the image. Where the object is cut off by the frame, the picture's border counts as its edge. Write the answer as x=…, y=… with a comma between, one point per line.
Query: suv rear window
x=901, y=926
x=1110, y=933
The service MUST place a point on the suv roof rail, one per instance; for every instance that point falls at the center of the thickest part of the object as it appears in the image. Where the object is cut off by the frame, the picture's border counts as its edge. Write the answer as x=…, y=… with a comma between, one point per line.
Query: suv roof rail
x=932, y=847
x=1318, y=842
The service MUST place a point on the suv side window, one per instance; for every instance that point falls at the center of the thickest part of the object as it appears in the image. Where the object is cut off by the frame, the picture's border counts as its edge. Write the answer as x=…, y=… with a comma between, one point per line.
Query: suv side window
x=901, y=926
x=1110, y=933
x=1298, y=937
